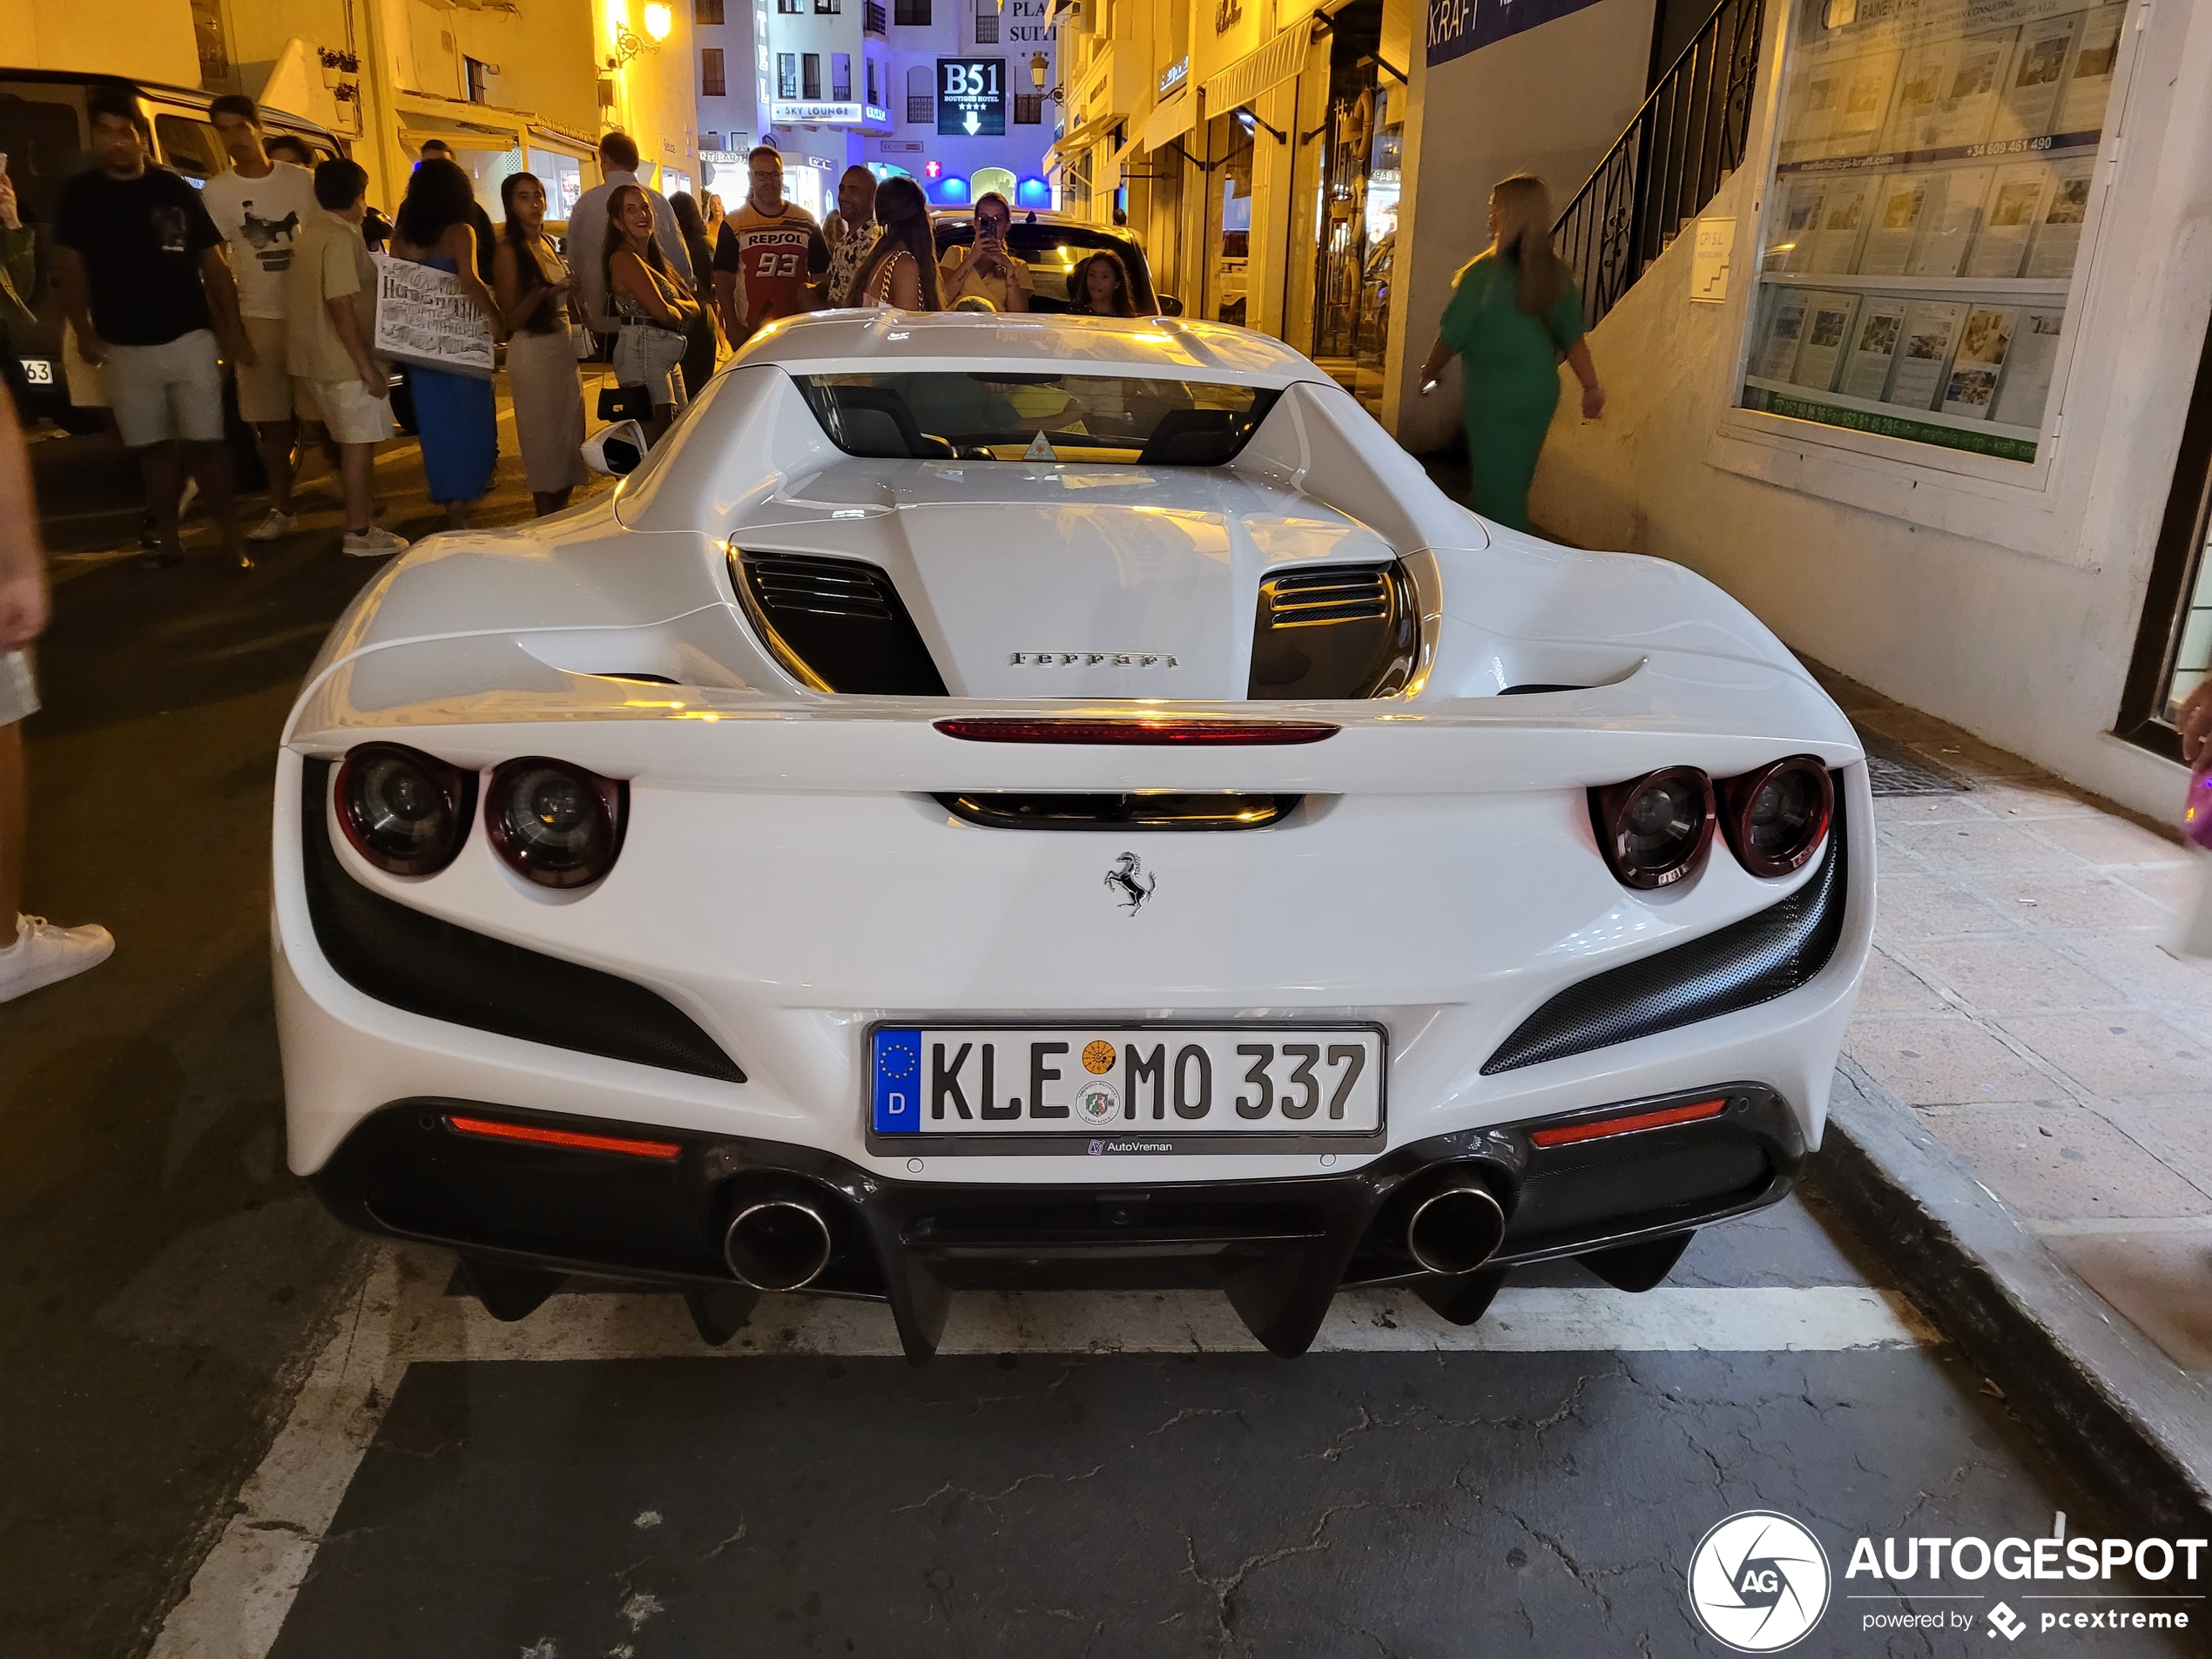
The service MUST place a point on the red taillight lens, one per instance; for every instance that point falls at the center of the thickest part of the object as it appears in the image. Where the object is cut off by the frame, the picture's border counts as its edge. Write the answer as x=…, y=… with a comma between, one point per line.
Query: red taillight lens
x=1051, y=730
x=403, y=811
x=493, y=1128
x=1654, y=829
x=1776, y=818
x=555, y=824
x=1569, y=1133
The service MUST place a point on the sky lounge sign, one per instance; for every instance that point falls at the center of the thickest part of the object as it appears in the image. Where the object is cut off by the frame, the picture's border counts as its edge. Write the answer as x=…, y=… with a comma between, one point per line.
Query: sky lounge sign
x=1457, y=27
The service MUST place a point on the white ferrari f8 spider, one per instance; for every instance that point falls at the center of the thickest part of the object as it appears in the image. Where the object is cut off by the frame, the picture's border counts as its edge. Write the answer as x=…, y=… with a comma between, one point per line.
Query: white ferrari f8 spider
x=1040, y=801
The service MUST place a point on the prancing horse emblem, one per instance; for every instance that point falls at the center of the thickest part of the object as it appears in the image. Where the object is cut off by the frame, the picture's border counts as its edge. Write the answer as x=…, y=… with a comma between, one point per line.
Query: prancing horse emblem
x=1127, y=879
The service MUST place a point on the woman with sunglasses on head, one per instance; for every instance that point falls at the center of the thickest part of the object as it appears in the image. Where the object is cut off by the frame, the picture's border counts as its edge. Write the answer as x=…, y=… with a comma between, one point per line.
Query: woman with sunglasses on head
x=1099, y=287
x=902, y=270
x=535, y=293
x=986, y=269
x=653, y=307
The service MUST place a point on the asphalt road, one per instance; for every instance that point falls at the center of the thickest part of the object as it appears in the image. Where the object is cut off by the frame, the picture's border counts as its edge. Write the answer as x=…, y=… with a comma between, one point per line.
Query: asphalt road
x=233, y=1430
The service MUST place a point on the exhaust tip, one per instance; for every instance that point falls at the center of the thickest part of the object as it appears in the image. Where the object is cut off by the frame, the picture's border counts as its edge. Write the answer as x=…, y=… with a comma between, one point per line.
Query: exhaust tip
x=777, y=1243
x=1456, y=1230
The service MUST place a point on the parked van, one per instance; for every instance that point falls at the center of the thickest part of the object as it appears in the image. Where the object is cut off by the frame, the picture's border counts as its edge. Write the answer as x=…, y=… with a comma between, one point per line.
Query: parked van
x=42, y=141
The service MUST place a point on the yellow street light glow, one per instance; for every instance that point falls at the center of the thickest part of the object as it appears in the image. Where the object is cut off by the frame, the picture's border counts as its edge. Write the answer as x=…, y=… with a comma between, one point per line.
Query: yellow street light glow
x=658, y=20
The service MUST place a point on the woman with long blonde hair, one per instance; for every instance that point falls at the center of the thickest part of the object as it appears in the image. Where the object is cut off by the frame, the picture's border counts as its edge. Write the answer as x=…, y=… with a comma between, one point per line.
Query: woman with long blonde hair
x=1514, y=313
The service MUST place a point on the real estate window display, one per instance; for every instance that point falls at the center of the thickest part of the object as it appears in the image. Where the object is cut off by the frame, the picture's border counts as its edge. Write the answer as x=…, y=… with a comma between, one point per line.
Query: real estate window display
x=1932, y=173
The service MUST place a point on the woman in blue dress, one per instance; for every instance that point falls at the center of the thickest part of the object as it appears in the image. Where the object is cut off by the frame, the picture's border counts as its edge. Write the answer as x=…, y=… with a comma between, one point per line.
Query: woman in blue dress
x=455, y=414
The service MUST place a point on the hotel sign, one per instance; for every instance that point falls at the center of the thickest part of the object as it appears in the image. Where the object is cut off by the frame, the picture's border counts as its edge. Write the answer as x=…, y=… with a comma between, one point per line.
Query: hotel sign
x=971, y=97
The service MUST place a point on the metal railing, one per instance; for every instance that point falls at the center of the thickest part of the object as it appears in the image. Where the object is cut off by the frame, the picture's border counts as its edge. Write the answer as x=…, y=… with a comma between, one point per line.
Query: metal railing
x=871, y=18
x=1688, y=135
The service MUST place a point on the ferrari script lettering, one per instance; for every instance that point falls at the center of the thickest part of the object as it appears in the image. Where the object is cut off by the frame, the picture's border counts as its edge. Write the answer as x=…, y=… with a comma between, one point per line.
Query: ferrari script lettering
x=1093, y=659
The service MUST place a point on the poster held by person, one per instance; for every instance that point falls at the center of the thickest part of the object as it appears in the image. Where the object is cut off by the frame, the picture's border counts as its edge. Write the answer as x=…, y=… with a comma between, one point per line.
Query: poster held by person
x=444, y=332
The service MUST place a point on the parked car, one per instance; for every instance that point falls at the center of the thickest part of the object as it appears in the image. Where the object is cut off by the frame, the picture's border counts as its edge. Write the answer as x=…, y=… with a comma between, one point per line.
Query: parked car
x=1053, y=245
x=1006, y=800
x=44, y=134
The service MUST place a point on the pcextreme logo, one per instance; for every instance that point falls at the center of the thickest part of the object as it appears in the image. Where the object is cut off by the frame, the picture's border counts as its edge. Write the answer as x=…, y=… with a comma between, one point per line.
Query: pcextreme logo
x=1758, y=1581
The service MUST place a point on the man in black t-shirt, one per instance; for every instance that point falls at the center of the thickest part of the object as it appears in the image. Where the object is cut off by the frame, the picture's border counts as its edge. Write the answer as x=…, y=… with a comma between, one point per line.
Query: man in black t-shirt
x=145, y=279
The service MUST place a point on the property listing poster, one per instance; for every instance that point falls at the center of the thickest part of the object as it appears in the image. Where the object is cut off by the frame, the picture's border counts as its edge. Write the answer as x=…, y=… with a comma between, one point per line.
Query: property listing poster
x=1933, y=171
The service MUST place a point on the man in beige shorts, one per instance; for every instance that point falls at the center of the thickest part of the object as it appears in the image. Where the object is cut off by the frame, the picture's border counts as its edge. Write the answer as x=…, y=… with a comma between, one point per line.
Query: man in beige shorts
x=33, y=952
x=260, y=207
x=331, y=293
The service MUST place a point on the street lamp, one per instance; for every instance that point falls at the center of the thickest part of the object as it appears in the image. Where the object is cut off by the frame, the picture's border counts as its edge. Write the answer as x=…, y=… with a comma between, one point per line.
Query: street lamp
x=1038, y=69
x=659, y=20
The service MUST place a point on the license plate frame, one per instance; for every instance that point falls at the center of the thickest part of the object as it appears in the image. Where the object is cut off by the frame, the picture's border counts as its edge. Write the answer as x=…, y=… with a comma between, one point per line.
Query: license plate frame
x=1172, y=1136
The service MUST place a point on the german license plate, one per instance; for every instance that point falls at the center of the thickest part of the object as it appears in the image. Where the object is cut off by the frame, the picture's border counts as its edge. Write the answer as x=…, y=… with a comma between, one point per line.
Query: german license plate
x=1154, y=1081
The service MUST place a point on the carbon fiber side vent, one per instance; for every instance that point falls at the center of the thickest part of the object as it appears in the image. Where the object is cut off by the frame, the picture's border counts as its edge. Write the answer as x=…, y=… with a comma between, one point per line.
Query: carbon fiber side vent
x=1751, y=962
x=415, y=961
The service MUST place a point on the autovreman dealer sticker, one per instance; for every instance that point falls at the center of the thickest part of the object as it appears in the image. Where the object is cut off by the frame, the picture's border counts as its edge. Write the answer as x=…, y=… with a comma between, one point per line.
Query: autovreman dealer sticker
x=1758, y=1581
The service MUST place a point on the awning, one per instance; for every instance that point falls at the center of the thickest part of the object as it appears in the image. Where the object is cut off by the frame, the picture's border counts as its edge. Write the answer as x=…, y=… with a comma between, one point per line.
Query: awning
x=1171, y=120
x=418, y=126
x=1258, y=72
x=1075, y=140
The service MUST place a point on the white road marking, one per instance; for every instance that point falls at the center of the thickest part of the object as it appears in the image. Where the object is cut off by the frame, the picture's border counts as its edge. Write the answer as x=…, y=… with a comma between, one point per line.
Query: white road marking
x=1519, y=1321
x=241, y=1596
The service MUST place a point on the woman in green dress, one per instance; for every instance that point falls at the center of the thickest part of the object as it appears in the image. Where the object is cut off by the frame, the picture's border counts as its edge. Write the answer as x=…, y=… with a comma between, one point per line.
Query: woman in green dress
x=1514, y=313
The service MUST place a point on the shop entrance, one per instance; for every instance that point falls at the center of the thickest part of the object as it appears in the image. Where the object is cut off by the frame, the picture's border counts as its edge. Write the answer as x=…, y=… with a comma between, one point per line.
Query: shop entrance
x=1228, y=235
x=1361, y=172
x=2174, y=646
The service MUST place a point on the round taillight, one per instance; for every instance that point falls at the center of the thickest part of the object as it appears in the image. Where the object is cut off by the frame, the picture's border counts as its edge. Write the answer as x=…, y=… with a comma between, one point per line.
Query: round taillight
x=405, y=812
x=555, y=824
x=1654, y=829
x=1776, y=818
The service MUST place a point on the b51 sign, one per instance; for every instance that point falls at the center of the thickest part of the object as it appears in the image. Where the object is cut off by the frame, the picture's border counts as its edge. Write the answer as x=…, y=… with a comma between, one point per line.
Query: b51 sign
x=971, y=97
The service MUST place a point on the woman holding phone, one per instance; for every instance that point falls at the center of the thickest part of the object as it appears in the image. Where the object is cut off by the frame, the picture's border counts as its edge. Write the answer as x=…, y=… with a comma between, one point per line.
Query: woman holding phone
x=986, y=269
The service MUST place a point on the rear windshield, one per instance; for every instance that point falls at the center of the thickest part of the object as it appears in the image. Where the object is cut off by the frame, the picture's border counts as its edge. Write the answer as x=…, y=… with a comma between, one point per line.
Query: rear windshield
x=1052, y=253
x=1006, y=416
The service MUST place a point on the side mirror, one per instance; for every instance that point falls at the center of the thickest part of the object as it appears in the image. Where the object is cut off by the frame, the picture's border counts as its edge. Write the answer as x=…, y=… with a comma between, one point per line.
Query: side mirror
x=616, y=450
x=1170, y=306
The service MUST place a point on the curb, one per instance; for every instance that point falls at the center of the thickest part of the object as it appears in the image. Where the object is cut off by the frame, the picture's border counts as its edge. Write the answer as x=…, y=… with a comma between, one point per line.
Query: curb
x=2139, y=1426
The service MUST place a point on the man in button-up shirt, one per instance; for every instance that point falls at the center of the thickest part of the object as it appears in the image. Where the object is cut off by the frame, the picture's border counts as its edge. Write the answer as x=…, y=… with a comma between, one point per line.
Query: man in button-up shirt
x=588, y=230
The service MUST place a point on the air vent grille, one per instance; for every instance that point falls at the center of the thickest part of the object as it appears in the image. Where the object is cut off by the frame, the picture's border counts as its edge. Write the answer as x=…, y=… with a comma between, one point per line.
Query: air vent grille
x=1306, y=598
x=835, y=625
x=787, y=584
x=1338, y=631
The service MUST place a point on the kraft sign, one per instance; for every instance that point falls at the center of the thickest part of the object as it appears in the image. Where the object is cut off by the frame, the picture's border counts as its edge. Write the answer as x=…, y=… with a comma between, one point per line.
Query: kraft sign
x=1457, y=27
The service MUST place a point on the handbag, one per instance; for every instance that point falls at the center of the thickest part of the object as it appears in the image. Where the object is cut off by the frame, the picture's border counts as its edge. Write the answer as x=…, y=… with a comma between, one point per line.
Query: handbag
x=581, y=343
x=645, y=354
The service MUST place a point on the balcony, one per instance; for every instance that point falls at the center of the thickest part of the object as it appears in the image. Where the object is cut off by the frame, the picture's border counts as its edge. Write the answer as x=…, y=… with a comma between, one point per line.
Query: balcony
x=872, y=20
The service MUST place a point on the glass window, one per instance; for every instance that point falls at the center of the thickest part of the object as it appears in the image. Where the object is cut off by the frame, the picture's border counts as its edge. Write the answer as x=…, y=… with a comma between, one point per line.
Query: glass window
x=810, y=75
x=987, y=23
x=1932, y=176
x=911, y=14
x=1052, y=251
x=190, y=146
x=841, y=76
x=787, y=75
x=1005, y=416
x=713, y=81
x=706, y=12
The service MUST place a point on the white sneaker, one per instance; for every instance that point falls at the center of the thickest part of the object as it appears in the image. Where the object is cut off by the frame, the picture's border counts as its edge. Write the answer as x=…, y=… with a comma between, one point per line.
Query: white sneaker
x=275, y=528
x=374, y=543
x=44, y=953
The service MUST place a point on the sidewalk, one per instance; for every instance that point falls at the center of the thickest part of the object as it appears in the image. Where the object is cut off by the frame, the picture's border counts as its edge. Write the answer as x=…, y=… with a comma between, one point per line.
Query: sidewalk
x=2022, y=1008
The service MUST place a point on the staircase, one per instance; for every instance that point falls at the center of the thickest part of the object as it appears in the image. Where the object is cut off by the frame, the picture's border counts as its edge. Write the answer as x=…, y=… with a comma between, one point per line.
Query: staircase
x=1688, y=136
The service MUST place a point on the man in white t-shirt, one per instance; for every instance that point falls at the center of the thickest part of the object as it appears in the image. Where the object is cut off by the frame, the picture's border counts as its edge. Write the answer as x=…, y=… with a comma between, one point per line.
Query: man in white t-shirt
x=260, y=205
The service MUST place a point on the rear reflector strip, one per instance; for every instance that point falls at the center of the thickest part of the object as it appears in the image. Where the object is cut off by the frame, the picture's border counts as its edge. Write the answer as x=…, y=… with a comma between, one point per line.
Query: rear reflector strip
x=1567, y=1133
x=492, y=1130
x=1234, y=733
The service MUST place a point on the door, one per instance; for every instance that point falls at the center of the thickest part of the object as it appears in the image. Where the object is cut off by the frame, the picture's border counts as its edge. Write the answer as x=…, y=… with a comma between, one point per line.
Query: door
x=2174, y=644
